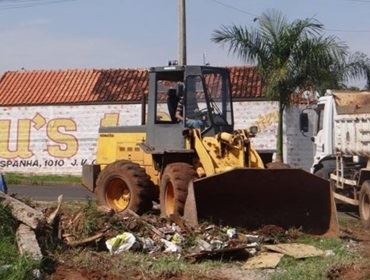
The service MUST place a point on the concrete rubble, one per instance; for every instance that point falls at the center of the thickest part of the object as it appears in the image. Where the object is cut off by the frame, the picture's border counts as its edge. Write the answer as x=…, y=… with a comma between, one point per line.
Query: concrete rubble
x=27, y=242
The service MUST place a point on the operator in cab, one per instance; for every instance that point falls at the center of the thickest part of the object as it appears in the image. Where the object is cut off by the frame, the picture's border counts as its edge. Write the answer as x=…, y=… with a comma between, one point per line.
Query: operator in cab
x=191, y=122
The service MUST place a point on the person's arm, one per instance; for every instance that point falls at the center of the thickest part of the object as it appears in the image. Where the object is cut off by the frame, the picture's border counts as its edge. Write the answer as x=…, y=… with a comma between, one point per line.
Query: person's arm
x=179, y=116
x=180, y=109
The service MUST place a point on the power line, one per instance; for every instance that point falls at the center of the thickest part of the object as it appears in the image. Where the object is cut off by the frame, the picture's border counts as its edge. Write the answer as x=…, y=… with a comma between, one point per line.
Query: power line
x=348, y=30
x=360, y=1
x=29, y=4
x=327, y=29
x=234, y=8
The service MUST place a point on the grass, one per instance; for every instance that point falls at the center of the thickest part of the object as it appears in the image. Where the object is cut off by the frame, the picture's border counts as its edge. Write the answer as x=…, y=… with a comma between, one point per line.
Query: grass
x=132, y=264
x=93, y=220
x=90, y=220
x=17, y=178
x=12, y=266
x=315, y=268
x=167, y=266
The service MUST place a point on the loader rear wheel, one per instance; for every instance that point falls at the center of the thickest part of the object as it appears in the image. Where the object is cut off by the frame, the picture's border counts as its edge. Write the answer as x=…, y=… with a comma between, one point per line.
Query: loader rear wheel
x=364, y=205
x=174, y=187
x=124, y=185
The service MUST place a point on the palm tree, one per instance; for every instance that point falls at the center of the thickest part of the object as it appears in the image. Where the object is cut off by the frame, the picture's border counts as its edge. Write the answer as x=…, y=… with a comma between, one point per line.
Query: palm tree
x=354, y=66
x=290, y=56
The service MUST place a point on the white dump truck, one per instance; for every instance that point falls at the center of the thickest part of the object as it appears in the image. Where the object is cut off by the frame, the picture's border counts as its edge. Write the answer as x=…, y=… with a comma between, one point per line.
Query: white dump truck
x=342, y=146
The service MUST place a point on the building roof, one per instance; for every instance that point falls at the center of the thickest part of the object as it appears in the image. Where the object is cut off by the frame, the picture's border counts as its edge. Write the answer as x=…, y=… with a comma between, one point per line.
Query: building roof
x=99, y=86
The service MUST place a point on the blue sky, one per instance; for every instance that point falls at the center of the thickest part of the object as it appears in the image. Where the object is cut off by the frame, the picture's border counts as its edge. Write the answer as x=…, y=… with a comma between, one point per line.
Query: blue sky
x=143, y=33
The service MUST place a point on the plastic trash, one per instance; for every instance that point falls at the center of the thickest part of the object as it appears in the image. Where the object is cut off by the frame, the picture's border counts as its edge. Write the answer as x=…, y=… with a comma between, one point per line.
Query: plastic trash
x=231, y=233
x=177, y=239
x=170, y=246
x=217, y=244
x=203, y=245
x=121, y=243
x=329, y=253
x=148, y=244
x=252, y=238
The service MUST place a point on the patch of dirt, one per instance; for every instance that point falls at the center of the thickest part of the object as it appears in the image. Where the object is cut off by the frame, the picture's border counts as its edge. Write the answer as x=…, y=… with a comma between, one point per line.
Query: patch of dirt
x=353, y=272
x=65, y=272
x=360, y=236
x=234, y=272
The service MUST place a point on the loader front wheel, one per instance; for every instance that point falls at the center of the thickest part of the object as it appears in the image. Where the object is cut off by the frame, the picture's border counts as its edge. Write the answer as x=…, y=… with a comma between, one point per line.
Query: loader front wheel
x=124, y=185
x=364, y=205
x=174, y=187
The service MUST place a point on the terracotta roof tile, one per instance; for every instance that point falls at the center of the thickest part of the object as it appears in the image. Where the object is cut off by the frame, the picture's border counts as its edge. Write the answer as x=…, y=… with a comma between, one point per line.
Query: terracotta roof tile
x=99, y=86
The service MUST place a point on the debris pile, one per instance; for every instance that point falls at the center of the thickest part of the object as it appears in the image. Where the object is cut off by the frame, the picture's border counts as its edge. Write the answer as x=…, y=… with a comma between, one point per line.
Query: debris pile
x=150, y=234
x=155, y=235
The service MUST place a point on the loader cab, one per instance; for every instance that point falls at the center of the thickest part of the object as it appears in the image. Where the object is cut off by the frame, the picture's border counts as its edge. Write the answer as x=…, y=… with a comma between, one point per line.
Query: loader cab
x=201, y=93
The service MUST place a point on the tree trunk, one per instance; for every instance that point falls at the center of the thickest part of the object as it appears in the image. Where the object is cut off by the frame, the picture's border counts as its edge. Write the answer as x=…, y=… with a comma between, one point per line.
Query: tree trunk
x=22, y=212
x=279, y=142
x=27, y=242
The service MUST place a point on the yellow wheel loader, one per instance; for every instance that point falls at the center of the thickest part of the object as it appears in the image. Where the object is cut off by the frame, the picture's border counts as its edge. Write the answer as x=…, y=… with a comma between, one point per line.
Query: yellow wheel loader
x=187, y=155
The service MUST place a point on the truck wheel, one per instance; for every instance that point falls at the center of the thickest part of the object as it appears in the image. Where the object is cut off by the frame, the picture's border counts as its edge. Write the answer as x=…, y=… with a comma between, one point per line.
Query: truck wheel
x=321, y=173
x=174, y=187
x=324, y=173
x=364, y=204
x=124, y=185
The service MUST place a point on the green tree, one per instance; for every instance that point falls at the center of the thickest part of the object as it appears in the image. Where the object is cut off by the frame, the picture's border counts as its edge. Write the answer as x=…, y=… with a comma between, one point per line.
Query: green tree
x=354, y=66
x=290, y=56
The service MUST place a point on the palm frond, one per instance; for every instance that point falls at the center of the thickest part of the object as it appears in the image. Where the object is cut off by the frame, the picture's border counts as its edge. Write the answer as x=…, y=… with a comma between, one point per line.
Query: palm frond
x=293, y=56
x=271, y=24
x=246, y=44
x=356, y=66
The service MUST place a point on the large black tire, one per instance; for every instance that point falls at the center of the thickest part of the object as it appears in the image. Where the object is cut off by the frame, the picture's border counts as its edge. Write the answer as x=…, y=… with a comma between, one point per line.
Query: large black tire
x=321, y=173
x=124, y=185
x=325, y=171
x=174, y=187
x=364, y=204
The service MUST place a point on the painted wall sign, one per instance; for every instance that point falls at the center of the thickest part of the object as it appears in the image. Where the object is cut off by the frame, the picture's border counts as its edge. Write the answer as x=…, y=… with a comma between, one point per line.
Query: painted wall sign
x=56, y=139
x=60, y=139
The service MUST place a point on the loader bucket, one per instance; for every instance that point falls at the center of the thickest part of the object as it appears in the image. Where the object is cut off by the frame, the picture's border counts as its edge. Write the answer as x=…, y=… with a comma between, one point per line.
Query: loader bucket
x=252, y=198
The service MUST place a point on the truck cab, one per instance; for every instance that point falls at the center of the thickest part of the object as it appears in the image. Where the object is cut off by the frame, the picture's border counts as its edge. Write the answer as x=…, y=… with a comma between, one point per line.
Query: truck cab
x=342, y=147
x=323, y=136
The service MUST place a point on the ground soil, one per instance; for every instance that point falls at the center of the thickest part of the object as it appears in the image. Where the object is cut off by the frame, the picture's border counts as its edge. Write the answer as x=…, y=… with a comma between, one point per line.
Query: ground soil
x=65, y=272
x=356, y=232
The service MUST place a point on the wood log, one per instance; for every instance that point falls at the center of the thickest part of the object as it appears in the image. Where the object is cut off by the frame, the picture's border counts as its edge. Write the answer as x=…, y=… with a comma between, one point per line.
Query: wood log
x=53, y=215
x=180, y=222
x=27, y=242
x=225, y=253
x=145, y=223
x=86, y=240
x=22, y=212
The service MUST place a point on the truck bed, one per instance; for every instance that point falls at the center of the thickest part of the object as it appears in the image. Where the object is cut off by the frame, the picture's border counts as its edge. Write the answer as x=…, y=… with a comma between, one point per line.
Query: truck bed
x=352, y=123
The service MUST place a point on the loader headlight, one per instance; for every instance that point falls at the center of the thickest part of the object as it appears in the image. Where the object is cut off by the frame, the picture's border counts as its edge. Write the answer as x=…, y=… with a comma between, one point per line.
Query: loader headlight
x=253, y=130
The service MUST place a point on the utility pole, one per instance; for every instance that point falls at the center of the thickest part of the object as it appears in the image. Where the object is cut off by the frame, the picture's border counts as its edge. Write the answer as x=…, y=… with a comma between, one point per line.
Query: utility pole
x=182, y=32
